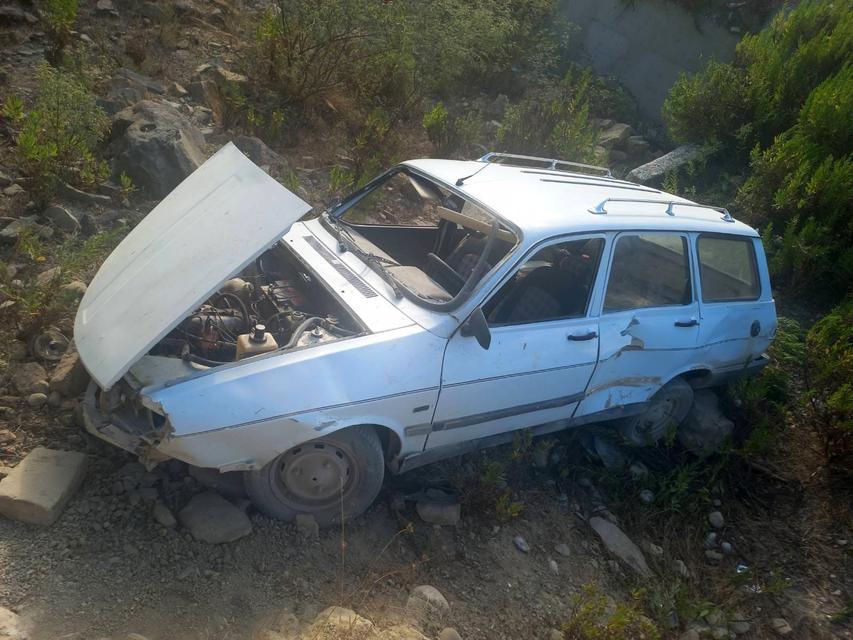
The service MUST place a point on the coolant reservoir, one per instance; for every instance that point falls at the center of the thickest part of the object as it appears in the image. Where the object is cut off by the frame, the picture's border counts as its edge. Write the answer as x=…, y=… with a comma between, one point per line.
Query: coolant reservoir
x=259, y=341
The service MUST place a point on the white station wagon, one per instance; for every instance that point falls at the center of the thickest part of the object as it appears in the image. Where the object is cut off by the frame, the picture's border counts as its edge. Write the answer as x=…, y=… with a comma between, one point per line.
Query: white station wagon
x=436, y=310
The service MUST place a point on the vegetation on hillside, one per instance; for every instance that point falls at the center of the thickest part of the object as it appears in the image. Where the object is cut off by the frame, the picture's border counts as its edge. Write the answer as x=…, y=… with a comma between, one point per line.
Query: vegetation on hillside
x=781, y=114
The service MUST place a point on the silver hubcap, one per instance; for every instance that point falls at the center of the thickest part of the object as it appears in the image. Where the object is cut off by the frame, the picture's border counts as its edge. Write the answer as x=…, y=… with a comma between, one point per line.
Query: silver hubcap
x=315, y=473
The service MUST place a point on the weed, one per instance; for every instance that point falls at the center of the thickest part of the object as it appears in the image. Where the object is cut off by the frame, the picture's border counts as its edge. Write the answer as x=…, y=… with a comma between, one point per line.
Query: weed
x=57, y=137
x=126, y=186
x=593, y=618
x=59, y=17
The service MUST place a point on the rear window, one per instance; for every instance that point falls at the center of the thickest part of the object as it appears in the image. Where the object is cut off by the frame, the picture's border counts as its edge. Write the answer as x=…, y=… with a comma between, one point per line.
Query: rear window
x=648, y=270
x=727, y=269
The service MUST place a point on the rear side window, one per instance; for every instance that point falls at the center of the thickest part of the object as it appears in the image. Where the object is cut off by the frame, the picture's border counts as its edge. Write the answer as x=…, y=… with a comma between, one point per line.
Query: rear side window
x=649, y=270
x=727, y=269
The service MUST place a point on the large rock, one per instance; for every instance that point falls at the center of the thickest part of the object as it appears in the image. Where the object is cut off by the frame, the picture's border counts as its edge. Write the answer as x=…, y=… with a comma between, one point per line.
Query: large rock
x=37, y=490
x=70, y=377
x=705, y=428
x=615, y=135
x=620, y=545
x=156, y=146
x=338, y=622
x=61, y=218
x=11, y=627
x=259, y=153
x=427, y=606
x=654, y=172
x=27, y=377
x=211, y=518
x=126, y=87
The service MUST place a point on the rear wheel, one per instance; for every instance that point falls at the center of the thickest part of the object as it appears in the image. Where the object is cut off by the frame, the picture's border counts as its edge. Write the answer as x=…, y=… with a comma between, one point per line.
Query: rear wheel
x=667, y=409
x=339, y=475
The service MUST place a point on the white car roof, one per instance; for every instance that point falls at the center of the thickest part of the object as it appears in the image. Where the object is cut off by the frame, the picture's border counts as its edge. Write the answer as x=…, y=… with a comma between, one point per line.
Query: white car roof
x=543, y=203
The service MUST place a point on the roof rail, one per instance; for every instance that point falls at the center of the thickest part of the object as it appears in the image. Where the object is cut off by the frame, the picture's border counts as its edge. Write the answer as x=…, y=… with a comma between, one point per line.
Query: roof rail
x=599, y=208
x=552, y=163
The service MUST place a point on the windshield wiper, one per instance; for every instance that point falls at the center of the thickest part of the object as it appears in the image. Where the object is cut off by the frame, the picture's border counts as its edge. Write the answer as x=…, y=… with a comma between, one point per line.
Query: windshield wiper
x=346, y=242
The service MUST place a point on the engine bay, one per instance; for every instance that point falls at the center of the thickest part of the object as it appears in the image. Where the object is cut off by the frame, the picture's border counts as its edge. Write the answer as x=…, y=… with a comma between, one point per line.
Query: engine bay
x=273, y=305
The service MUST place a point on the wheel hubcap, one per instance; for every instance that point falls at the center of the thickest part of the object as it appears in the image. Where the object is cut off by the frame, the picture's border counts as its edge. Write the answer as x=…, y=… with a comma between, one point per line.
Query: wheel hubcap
x=658, y=417
x=315, y=473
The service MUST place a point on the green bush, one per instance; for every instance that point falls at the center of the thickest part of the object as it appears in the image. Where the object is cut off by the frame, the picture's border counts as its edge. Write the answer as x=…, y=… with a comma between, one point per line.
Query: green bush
x=829, y=380
x=594, y=618
x=59, y=17
x=553, y=120
x=435, y=124
x=781, y=113
x=56, y=139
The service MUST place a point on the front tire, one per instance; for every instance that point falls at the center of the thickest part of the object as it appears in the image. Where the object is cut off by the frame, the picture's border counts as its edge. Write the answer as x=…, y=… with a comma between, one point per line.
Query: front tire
x=667, y=409
x=340, y=474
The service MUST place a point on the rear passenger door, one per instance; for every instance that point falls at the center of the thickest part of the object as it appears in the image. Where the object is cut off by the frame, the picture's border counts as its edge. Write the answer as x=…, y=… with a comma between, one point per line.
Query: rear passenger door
x=738, y=313
x=649, y=322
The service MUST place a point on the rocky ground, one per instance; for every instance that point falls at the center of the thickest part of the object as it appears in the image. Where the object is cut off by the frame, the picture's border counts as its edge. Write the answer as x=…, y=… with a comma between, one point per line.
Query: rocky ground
x=137, y=554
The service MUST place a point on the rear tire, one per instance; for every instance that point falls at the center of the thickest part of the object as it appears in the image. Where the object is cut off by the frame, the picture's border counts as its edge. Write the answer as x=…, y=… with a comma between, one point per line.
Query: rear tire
x=667, y=409
x=337, y=475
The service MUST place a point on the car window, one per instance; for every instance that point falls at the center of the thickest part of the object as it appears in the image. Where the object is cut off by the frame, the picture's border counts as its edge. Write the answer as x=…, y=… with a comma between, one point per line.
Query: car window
x=727, y=269
x=554, y=283
x=397, y=202
x=648, y=270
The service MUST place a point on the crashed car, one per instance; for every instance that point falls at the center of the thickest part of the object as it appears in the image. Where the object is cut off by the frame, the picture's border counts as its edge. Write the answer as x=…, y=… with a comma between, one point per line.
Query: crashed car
x=436, y=310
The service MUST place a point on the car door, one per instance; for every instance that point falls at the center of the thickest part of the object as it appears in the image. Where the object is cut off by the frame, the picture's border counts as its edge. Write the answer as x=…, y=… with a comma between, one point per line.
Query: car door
x=738, y=316
x=649, y=321
x=541, y=356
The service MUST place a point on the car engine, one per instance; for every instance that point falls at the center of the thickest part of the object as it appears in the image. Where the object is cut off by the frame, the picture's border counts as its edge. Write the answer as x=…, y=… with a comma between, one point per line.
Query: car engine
x=274, y=305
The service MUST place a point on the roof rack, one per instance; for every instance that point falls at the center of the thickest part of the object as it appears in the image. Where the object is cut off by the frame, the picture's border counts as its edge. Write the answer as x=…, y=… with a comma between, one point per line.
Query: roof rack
x=551, y=163
x=599, y=208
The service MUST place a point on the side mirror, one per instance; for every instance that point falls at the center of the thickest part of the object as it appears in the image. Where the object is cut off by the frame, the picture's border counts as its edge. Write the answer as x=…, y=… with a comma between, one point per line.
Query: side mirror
x=477, y=326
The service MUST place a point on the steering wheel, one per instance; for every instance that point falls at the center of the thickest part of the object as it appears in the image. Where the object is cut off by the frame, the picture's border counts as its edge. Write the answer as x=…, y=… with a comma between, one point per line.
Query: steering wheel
x=448, y=274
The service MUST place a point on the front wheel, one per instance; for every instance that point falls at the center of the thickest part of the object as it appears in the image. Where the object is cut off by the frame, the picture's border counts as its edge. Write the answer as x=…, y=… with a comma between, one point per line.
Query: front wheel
x=667, y=409
x=329, y=478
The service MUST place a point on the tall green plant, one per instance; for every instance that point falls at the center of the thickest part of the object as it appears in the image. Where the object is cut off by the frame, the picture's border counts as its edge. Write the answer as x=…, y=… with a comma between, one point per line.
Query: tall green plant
x=57, y=138
x=553, y=120
x=59, y=18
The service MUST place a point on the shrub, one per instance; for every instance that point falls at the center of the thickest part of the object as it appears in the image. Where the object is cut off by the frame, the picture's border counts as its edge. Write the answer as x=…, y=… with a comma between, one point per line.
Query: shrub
x=435, y=124
x=829, y=380
x=57, y=137
x=553, y=120
x=59, y=17
x=782, y=113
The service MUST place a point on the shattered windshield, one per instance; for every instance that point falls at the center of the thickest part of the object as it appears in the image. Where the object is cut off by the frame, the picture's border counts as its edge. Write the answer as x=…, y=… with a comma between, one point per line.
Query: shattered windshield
x=430, y=244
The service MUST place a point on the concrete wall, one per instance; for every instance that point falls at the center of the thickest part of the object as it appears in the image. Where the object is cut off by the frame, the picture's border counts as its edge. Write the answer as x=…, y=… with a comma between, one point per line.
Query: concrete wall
x=647, y=45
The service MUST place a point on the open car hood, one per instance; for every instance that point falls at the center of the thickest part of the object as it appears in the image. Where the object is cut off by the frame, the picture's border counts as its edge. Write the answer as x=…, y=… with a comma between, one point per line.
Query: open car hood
x=223, y=216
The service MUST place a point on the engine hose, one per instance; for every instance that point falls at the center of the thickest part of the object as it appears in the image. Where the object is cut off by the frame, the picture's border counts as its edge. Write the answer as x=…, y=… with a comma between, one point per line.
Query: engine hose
x=241, y=305
x=191, y=357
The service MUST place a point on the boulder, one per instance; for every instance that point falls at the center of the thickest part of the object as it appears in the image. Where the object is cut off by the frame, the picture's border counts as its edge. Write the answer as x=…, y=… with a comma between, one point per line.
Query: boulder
x=27, y=376
x=156, y=146
x=38, y=488
x=260, y=153
x=212, y=519
x=426, y=604
x=401, y=632
x=705, y=428
x=654, y=172
x=11, y=627
x=338, y=622
x=61, y=218
x=70, y=377
x=620, y=545
x=636, y=145
x=615, y=135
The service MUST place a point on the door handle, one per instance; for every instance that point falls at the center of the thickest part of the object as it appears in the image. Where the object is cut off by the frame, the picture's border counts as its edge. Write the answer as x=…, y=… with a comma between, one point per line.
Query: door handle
x=582, y=336
x=687, y=323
